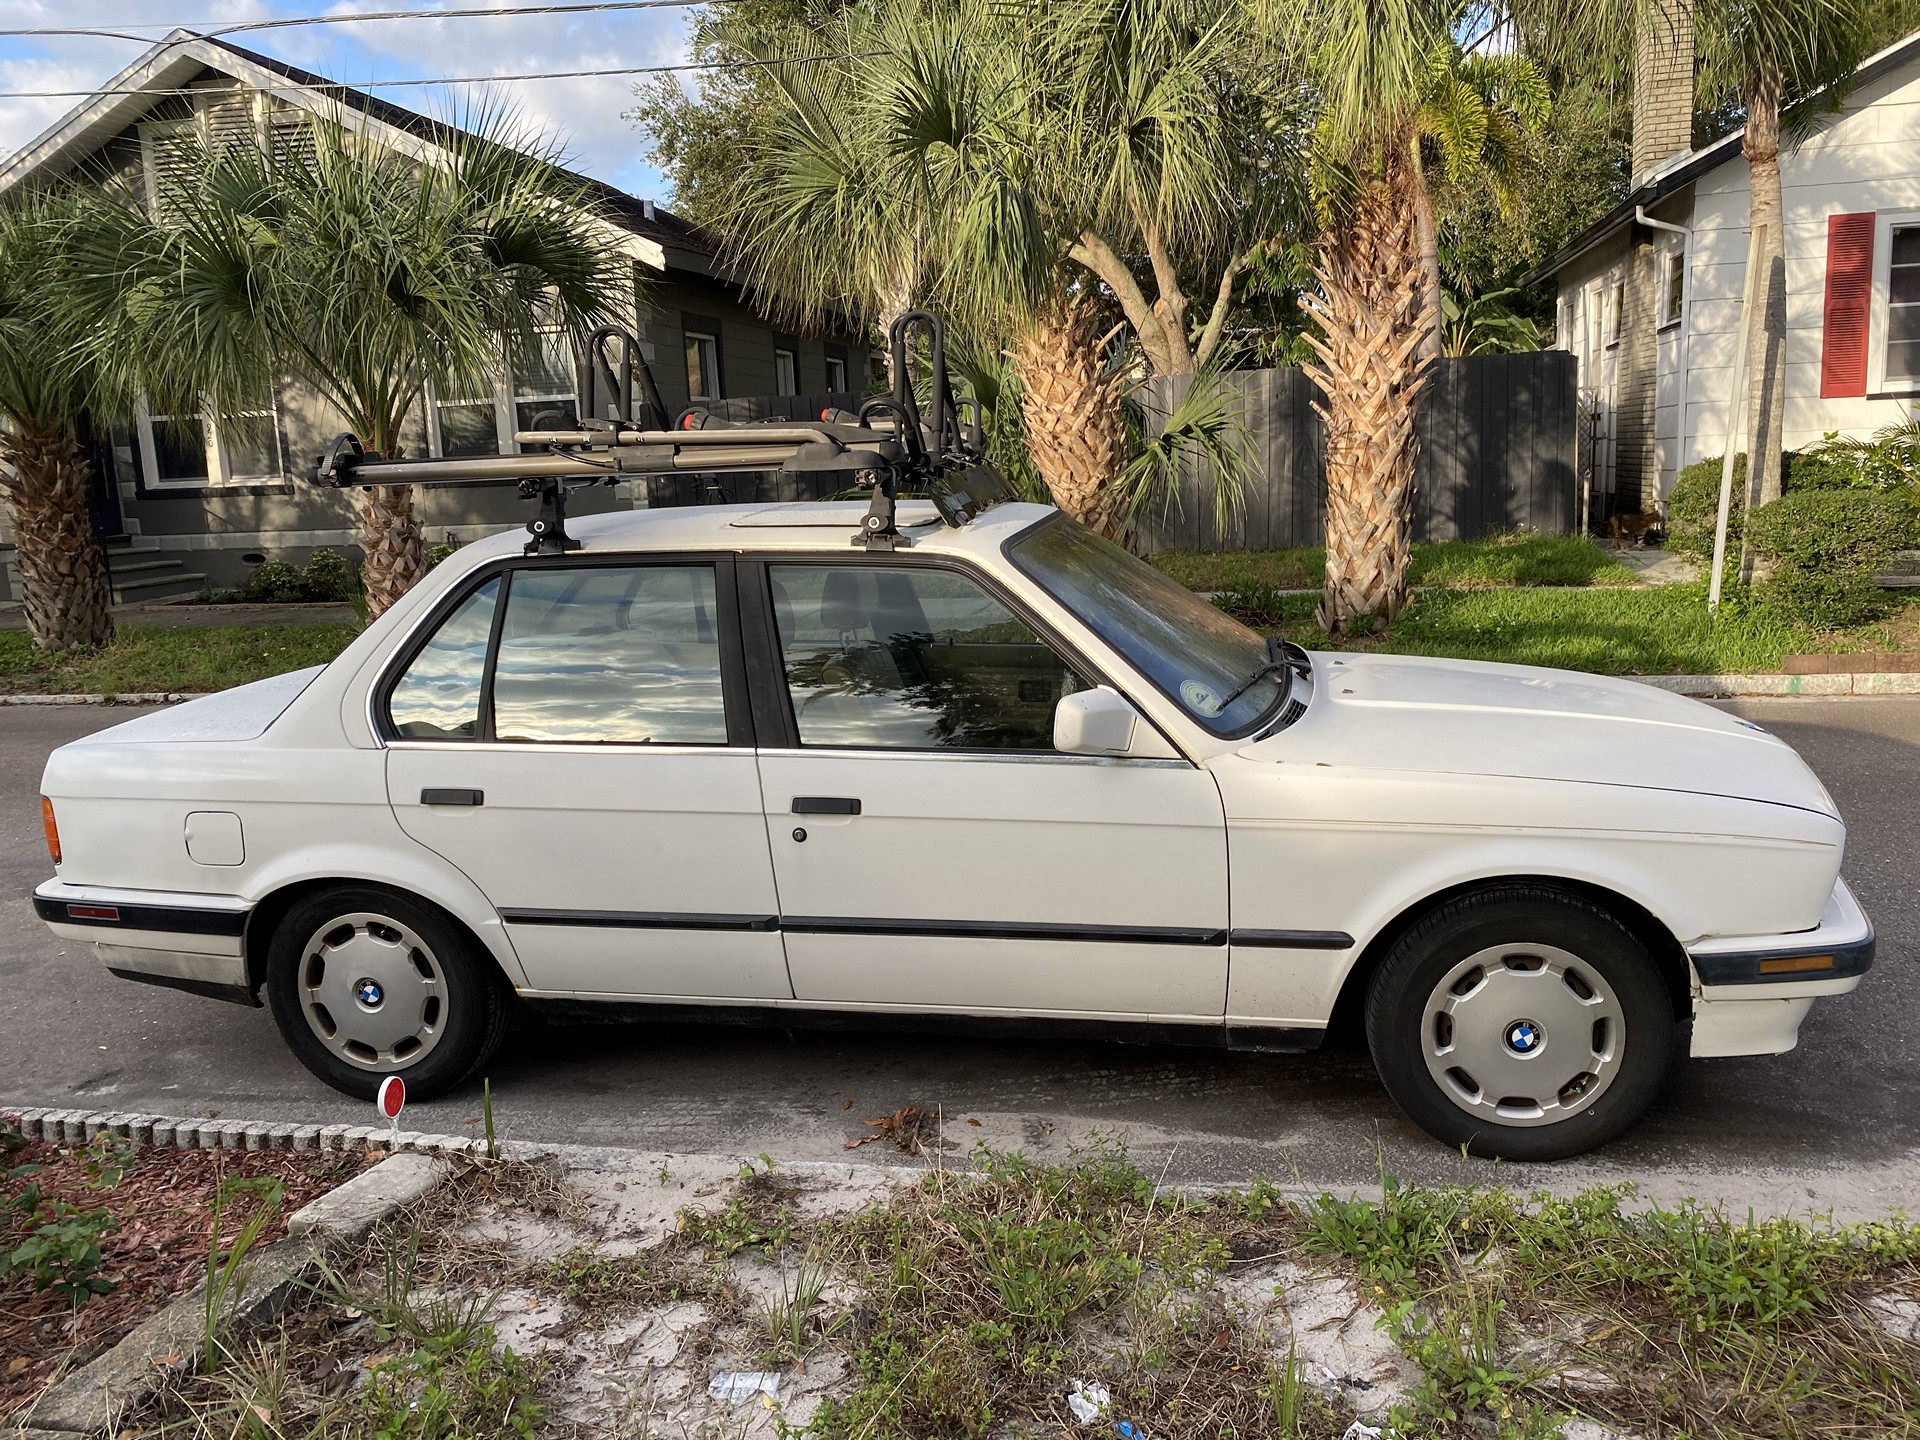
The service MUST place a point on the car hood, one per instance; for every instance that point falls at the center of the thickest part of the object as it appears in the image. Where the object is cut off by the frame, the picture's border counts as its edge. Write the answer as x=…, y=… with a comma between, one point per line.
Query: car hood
x=1464, y=717
x=242, y=713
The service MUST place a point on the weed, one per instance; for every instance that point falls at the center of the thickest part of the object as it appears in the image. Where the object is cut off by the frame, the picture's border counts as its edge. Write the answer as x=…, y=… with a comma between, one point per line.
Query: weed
x=597, y=1282
x=486, y=1114
x=452, y=1387
x=758, y=1213
x=229, y=1265
x=59, y=1246
x=788, y=1317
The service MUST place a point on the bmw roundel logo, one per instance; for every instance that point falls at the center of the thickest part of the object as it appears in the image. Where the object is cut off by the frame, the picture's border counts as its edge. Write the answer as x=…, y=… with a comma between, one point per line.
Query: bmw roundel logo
x=369, y=993
x=1525, y=1038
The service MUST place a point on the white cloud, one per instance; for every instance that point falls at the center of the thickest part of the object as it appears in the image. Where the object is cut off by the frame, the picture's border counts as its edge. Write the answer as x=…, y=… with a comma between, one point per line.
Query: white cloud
x=583, y=114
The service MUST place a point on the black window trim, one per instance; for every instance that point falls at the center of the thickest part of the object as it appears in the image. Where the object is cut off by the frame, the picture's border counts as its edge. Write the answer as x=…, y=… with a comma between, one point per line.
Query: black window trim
x=1260, y=724
x=726, y=625
x=773, y=700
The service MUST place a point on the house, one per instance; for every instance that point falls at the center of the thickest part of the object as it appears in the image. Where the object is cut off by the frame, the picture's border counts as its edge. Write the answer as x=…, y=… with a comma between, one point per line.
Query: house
x=1650, y=295
x=182, y=501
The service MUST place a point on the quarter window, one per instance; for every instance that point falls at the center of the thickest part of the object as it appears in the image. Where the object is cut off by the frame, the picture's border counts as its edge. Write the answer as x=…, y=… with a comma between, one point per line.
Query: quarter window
x=620, y=655
x=890, y=658
x=437, y=697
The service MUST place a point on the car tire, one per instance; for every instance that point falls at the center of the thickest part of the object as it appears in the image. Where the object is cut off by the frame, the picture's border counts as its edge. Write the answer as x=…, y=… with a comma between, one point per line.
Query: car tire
x=1521, y=1023
x=365, y=983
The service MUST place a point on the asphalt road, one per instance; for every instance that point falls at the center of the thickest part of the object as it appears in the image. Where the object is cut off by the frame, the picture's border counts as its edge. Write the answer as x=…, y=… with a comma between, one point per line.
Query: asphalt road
x=1833, y=1126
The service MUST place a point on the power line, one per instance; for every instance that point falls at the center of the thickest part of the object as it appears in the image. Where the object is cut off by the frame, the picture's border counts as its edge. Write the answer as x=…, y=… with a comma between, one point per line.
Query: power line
x=291, y=85
x=215, y=27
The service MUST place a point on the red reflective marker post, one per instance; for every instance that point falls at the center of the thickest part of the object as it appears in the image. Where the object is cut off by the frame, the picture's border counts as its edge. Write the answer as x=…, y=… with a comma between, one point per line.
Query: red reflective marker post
x=391, y=1098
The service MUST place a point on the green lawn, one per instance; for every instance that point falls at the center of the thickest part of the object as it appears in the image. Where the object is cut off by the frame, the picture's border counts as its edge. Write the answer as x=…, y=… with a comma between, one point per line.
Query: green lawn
x=1663, y=630
x=147, y=658
x=1502, y=561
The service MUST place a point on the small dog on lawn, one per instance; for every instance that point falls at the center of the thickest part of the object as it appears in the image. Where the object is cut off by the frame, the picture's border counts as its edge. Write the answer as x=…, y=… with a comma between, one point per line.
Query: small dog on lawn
x=1622, y=529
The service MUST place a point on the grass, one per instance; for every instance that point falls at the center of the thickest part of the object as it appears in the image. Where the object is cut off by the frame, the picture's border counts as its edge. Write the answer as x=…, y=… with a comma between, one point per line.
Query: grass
x=1506, y=560
x=1661, y=630
x=148, y=658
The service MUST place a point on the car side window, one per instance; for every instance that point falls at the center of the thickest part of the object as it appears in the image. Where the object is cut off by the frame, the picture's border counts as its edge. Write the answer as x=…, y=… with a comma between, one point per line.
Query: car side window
x=437, y=696
x=612, y=655
x=893, y=658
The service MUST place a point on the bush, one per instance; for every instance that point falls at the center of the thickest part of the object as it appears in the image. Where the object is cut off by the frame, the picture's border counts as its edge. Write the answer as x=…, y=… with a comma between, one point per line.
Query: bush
x=328, y=576
x=1693, y=505
x=275, y=582
x=437, y=553
x=1825, y=546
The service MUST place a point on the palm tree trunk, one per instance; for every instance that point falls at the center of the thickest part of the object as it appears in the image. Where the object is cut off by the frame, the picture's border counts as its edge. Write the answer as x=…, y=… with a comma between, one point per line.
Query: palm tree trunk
x=63, y=576
x=390, y=542
x=1432, y=320
x=1369, y=284
x=1076, y=429
x=1766, y=362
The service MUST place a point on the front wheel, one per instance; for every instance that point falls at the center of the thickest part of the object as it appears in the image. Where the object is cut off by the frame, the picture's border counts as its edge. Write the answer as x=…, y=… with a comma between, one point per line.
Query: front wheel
x=365, y=984
x=1523, y=1024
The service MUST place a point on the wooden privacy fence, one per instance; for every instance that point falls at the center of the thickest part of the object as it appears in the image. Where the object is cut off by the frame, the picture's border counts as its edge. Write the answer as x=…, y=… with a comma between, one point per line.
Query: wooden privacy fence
x=1497, y=441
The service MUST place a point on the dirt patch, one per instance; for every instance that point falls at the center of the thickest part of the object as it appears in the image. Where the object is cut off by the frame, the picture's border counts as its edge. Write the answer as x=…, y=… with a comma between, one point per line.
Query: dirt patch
x=150, y=1214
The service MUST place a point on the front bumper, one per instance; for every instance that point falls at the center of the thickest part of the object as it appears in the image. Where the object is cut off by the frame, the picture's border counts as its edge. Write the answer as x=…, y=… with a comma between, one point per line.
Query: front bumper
x=1752, y=991
x=186, y=942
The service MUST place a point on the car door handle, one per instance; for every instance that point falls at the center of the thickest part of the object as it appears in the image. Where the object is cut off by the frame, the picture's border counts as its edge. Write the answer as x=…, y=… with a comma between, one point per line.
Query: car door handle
x=825, y=805
x=453, y=797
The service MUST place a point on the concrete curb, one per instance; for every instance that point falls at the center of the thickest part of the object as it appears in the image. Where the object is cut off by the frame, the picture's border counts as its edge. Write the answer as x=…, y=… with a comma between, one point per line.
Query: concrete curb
x=93, y=1400
x=1863, y=682
x=146, y=697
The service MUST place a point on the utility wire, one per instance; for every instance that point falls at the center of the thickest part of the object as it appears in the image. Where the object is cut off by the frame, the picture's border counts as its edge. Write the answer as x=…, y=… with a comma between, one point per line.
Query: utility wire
x=215, y=27
x=292, y=85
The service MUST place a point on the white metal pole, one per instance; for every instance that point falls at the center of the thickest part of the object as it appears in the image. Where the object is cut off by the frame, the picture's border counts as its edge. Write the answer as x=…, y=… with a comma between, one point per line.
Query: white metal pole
x=1736, y=410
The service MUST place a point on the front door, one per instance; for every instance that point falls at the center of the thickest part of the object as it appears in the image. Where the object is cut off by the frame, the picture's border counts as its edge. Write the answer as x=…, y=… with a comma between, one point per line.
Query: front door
x=932, y=850
x=574, y=737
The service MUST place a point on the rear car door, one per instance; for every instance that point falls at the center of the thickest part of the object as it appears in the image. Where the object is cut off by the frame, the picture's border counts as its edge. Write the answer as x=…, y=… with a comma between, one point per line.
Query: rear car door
x=932, y=849
x=575, y=736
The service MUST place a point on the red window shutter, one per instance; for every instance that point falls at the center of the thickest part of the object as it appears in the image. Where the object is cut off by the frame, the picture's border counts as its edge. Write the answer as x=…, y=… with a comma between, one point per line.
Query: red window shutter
x=1846, y=315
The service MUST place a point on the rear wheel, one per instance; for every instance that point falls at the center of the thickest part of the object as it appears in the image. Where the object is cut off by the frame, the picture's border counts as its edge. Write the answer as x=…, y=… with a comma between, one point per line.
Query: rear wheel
x=1522, y=1023
x=365, y=984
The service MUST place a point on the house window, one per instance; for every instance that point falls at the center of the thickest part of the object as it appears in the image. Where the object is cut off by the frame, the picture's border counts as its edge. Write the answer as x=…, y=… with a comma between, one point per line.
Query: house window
x=544, y=397
x=1903, y=304
x=1676, y=289
x=170, y=152
x=786, y=366
x=195, y=450
x=836, y=369
x=703, y=359
x=466, y=426
x=1616, y=311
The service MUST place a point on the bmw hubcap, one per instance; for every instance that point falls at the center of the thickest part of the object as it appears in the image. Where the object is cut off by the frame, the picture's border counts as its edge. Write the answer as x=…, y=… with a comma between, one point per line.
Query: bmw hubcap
x=1523, y=1034
x=373, y=992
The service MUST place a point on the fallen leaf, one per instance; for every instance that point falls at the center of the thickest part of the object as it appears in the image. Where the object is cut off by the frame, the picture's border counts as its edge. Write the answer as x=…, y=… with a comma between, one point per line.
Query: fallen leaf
x=846, y=1104
x=262, y=1414
x=972, y=1121
x=909, y=1127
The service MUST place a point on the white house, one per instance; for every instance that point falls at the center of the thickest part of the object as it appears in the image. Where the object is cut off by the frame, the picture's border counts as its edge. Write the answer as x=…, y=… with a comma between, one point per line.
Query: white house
x=1650, y=295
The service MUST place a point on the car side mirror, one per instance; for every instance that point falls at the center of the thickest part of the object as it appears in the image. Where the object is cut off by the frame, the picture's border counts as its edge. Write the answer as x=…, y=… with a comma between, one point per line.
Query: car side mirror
x=1094, y=722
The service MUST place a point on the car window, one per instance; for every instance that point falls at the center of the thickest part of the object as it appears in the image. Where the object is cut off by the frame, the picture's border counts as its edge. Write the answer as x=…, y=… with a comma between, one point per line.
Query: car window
x=912, y=659
x=437, y=697
x=1194, y=652
x=619, y=655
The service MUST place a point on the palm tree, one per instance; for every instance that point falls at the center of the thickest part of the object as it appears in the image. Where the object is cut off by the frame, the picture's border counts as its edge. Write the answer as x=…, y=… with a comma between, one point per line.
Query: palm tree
x=1003, y=160
x=44, y=476
x=1766, y=54
x=1371, y=65
x=367, y=274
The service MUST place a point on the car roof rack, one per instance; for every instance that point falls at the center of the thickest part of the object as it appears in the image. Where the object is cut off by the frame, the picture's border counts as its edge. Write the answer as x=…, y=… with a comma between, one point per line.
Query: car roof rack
x=894, y=446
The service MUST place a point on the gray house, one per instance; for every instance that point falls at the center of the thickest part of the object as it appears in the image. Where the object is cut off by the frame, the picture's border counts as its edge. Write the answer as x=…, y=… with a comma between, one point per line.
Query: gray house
x=182, y=501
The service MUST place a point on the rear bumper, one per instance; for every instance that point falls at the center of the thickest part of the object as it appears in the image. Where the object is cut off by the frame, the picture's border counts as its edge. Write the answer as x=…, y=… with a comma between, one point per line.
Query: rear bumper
x=1752, y=991
x=195, y=943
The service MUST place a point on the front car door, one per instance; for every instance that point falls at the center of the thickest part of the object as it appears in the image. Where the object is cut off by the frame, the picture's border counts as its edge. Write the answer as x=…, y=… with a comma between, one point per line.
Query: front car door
x=575, y=737
x=932, y=850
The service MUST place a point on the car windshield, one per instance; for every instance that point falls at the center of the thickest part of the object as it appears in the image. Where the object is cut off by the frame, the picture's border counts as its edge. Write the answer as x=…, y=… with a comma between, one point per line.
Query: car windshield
x=1186, y=647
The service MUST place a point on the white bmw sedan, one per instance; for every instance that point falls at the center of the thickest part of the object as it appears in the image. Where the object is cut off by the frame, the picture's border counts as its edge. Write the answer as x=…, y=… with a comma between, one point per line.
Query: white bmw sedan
x=720, y=764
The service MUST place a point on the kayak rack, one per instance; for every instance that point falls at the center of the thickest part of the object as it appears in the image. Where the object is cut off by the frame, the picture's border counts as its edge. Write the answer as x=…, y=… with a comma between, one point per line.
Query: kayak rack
x=893, y=445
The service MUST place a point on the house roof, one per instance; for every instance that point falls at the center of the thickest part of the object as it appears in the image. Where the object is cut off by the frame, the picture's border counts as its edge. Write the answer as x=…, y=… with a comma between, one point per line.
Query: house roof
x=1685, y=168
x=134, y=92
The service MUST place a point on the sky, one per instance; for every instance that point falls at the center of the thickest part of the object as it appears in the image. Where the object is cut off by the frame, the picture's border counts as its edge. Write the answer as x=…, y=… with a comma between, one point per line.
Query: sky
x=583, y=114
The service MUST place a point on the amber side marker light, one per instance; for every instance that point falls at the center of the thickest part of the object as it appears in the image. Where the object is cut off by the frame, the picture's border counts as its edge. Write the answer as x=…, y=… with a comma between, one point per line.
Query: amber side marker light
x=52, y=827
x=1794, y=964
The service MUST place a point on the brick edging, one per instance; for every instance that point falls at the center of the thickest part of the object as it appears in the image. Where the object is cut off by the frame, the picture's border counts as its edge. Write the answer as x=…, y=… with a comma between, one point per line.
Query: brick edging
x=1862, y=682
x=76, y=1127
